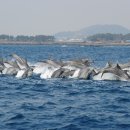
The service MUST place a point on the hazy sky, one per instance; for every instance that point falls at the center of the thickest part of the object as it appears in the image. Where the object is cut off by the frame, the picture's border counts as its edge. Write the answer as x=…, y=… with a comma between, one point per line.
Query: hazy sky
x=31, y=17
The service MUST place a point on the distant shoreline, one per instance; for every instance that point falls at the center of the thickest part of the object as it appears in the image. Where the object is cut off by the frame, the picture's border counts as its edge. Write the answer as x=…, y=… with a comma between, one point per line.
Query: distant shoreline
x=67, y=43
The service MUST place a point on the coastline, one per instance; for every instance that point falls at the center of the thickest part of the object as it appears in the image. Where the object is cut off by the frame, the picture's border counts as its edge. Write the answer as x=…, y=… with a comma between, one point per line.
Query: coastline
x=66, y=43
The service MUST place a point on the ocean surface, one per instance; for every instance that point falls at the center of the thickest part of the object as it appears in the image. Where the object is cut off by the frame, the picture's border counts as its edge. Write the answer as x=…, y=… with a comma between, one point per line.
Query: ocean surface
x=65, y=104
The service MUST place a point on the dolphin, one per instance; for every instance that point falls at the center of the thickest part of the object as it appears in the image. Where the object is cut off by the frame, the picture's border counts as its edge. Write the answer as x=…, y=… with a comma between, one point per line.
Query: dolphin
x=78, y=63
x=41, y=67
x=9, y=68
x=113, y=73
x=24, y=69
x=126, y=65
x=1, y=68
x=74, y=64
x=23, y=73
x=69, y=67
x=54, y=63
x=58, y=73
x=67, y=73
x=48, y=73
x=118, y=71
x=9, y=64
x=62, y=73
x=22, y=63
x=10, y=71
x=85, y=73
x=76, y=73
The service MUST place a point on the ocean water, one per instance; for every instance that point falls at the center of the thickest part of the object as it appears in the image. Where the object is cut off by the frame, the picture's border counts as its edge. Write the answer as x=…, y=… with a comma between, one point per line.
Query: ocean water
x=65, y=104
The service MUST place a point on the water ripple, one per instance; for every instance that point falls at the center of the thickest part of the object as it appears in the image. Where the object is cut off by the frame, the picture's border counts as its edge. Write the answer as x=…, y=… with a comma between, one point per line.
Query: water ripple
x=64, y=104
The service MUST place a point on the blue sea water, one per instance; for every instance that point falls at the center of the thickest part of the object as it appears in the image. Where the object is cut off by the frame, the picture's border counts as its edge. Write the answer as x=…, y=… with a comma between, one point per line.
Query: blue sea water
x=65, y=104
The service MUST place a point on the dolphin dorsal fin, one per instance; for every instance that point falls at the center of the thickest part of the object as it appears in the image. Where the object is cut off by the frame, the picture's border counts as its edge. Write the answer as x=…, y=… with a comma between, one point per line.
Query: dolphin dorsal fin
x=109, y=64
x=117, y=66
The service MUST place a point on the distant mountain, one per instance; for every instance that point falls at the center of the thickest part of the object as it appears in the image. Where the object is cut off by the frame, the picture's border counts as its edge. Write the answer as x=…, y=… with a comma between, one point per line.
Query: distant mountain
x=91, y=30
x=114, y=29
x=65, y=35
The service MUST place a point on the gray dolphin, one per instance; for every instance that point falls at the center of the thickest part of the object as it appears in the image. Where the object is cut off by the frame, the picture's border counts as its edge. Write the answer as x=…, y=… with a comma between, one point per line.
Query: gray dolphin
x=25, y=70
x=54, y=63
x=113, y=72
x=1, y=67
x=78, y=63
x=117, y=71
x=1, y=64
x=9, y=64
x=22, y=63
x=58, y=73
x=11, y=71
x=85, y=73
x=67, y=73
x=125, y=66
x=24, y=73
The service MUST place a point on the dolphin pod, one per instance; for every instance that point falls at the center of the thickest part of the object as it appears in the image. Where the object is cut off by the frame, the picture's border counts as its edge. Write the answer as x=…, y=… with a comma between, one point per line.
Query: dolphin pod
x=75, y=69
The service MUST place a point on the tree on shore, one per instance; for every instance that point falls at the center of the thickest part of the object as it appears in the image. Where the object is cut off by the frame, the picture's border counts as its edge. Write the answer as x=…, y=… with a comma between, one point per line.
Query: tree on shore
x=22, y=38
x=109, y=37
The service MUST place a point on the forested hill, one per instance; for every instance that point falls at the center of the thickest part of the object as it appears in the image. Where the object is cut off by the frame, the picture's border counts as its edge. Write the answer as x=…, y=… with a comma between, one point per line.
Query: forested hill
x=109, y=37
x=23, y=38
